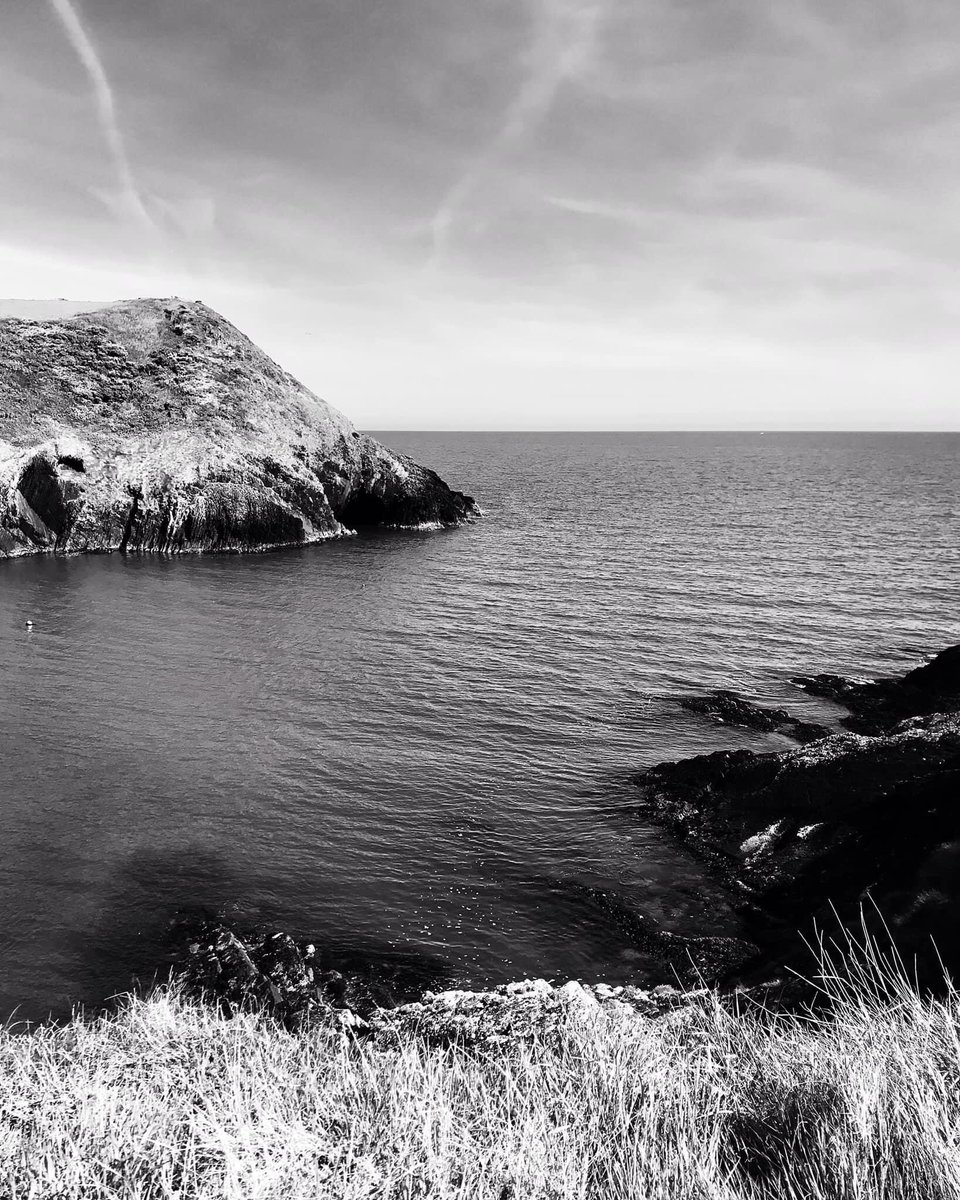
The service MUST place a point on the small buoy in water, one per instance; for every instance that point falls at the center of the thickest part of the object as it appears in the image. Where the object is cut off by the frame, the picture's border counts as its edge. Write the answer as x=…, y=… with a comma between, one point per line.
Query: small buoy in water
x=28, y=624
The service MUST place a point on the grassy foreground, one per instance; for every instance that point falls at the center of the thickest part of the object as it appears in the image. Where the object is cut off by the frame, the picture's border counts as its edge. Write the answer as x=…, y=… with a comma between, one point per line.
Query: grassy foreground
x=165, y=1098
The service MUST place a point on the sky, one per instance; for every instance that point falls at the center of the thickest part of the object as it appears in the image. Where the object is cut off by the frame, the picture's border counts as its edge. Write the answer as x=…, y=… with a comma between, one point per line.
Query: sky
x=530, y=214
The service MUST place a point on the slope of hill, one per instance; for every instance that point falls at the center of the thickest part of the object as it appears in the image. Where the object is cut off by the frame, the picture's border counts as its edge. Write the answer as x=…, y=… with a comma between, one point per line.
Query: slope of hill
x=157, y=425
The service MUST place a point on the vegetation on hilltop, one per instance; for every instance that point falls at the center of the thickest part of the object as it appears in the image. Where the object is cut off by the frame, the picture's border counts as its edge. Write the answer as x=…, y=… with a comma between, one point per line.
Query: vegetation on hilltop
x=157, y=425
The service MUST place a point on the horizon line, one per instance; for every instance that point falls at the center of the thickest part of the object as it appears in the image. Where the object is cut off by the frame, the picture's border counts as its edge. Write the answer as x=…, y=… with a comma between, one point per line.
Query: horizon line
x=635, y=429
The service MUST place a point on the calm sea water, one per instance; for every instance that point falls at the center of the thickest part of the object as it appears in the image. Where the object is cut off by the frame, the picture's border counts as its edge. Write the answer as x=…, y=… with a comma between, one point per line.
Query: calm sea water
x=416, y=746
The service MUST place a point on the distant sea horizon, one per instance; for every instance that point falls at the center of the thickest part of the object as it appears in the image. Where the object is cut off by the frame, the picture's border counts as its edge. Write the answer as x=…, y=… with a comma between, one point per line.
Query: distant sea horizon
x=384, y=431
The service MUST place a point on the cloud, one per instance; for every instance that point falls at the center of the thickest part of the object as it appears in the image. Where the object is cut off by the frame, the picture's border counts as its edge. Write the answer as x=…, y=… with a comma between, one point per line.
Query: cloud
x=564, y=38
x=194, y=217
x=129, y=201
x=673, y=203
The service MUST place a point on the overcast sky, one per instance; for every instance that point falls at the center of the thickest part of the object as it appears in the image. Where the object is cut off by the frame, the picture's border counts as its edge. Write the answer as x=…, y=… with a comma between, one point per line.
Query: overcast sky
x=513, y=213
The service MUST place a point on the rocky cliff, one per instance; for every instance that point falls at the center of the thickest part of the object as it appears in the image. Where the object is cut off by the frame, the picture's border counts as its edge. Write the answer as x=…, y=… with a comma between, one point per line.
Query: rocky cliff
x=156, y=425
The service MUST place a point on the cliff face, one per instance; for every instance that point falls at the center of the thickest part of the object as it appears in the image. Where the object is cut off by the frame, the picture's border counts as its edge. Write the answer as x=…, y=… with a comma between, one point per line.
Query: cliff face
x=156, y=425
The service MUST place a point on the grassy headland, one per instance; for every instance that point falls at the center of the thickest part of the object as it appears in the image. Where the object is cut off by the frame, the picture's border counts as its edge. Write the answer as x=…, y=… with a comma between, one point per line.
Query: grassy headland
x=166, y=1097
x=156, y=425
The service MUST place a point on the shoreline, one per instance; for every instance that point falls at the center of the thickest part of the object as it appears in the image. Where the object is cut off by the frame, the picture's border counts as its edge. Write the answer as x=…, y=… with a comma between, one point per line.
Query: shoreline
x=257, y=1072
x=798, y=840
x=801, y=839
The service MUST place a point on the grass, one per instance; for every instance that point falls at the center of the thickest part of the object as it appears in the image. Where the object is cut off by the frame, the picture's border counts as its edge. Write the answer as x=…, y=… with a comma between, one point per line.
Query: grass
x=166, y=1098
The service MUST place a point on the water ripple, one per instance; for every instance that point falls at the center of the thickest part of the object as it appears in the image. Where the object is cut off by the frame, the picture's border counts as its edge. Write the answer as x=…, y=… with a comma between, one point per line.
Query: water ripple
x=389, y=741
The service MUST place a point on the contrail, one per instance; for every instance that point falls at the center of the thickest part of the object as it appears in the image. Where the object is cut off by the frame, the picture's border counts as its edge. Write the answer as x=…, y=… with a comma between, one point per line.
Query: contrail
x=106, y=108
x=565, y=35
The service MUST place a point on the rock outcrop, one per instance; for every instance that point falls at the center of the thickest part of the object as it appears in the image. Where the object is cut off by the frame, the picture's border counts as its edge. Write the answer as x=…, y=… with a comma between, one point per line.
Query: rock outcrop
x=727, y=708
x=876, y=704
x=270, y=971
x=526, y=1010
x=156, y=425
x=816, y=831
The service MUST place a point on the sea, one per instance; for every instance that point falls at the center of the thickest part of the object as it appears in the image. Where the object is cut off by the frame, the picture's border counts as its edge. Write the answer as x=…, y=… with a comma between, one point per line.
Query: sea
x=415, y=749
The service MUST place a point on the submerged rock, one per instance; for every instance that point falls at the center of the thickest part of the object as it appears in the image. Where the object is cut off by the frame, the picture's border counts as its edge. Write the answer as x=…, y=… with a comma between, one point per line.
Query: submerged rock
x=156, y=425
x=687, y=959
x=727, y=708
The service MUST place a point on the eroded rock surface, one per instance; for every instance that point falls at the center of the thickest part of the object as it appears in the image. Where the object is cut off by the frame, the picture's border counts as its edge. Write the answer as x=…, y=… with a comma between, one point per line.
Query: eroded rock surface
x=156, y=425
x=296, y=981
x=526, y=1010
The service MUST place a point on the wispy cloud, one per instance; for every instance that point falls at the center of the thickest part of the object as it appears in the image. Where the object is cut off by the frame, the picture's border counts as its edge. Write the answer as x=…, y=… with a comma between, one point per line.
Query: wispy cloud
x=564, y=37
x=683, y=210
x=130, y=202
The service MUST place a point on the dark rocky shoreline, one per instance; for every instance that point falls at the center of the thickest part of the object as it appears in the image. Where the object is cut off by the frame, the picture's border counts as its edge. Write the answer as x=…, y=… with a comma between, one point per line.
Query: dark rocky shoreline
x=268, y=970
x=865, y=820
x=844, y=828
x=875, y=705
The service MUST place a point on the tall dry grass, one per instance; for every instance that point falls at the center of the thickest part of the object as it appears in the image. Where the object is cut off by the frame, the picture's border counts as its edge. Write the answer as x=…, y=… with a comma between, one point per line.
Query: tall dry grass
x=165, y=1098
